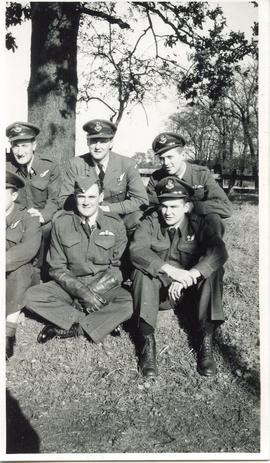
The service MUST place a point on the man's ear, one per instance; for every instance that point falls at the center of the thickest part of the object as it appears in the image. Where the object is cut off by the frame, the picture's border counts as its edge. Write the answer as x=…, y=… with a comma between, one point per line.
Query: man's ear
x=101, y=198
x=188, y=207
x=14, y=195
x=34, y=145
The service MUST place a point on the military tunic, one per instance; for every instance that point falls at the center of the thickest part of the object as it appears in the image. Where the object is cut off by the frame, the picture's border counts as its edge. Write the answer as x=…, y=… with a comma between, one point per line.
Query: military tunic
x=42, y=185
x=85, y=257
x=195, y=245
x=209, y=198
x=124, y=191
x=23, y=237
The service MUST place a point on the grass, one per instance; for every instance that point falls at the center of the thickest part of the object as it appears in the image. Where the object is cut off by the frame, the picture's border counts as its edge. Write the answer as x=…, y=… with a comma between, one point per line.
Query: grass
x=71, y=396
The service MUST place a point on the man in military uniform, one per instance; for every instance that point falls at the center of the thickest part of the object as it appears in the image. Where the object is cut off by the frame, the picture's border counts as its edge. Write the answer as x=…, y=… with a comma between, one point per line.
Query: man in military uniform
x=23, y=237
x=124, y=192
x=177, y=256
x=41, y=176
x=85, y=294
x=209, y=199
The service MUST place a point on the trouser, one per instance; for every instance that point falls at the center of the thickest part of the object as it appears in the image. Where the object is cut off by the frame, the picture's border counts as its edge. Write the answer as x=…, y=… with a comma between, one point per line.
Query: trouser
x=53, y=303
x=206, y=296
x=17, y=282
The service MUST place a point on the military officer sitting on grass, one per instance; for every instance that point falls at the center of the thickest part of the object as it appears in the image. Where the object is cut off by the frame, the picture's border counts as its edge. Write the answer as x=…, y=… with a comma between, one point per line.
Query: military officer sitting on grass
x=209, y=199
x=85, y=294
x=124, y=192
x=41, y=176
x=23, y=237
x=177, y=256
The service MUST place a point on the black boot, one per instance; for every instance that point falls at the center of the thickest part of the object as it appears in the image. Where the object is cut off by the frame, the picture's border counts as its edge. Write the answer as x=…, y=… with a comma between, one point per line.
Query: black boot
x=206, y=363
x=10, y=343
x=51, y=331
x=147, y=356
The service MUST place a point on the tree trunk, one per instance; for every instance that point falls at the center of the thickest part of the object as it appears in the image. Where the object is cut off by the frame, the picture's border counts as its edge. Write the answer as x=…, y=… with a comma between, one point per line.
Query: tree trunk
x=52, y=90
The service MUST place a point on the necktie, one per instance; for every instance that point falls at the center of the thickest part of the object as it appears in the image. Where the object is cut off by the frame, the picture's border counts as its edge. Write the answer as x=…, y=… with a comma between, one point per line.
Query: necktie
x=101, y=174
x=24, y=170
x=88, y=228
x=171, y=233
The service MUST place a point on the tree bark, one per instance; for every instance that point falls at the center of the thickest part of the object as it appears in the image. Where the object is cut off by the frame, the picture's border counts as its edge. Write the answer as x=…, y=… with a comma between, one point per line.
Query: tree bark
x=52, y=90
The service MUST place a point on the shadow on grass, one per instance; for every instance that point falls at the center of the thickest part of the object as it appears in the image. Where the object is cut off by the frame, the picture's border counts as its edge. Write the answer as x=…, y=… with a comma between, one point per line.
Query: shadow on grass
x=21, y=437
x=232, y=358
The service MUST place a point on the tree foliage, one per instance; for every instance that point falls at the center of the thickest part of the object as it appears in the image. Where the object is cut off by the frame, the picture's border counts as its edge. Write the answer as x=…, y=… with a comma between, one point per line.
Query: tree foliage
x=224, y=132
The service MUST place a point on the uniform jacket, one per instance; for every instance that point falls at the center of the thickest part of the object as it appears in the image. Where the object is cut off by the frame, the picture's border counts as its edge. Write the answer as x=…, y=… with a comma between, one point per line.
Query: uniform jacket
x=209, y=198
x=41, y=189
x=195, y=246
x=75, y=253
x=124, y=191
x=23, y=238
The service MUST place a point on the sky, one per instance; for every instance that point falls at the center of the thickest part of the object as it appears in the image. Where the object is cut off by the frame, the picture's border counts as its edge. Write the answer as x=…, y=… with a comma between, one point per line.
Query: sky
x=134, y=133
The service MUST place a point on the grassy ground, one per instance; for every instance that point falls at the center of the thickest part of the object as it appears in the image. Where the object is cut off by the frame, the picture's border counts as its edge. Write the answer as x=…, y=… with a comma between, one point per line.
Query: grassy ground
x=70, y=396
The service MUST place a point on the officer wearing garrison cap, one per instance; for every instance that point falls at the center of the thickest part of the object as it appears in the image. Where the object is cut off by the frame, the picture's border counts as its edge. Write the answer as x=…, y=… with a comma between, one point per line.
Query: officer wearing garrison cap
x=209, y=199
x=178, y=258
x=23, y=237
x=40, y=173
x=124, y=192
x=85, y=294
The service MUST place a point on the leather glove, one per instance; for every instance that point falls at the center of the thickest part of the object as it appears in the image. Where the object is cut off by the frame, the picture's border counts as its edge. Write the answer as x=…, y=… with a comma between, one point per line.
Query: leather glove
x=98, y=288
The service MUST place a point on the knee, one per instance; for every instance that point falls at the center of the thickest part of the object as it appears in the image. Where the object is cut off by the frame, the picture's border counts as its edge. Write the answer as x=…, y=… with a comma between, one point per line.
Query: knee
x=30, y=296
x=131, y=220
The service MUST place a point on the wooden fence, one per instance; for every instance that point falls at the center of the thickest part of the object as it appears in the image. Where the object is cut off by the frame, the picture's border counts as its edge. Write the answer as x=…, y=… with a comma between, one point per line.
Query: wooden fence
x=239, y=182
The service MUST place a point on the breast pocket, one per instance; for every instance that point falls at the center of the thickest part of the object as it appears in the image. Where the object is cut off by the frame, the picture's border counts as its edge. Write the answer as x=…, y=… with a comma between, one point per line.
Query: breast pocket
x=104, y=246
x=117, y=190
x=72, y=248
x=40, y=183
x=14, y=235
x=189, y=253
x=161, y=248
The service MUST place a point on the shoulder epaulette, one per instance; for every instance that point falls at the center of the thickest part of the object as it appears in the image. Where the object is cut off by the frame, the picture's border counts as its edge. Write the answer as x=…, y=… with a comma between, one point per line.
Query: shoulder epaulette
x=199, y=168
x=113, y=215
x=60, y=214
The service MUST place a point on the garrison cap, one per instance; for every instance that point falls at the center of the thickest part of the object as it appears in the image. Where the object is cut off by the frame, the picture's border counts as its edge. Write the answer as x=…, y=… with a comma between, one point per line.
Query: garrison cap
x=82, y=183
x=13, y=180
x=173, y=187
x=99, y=128
x=21, y=131
x=166, y=141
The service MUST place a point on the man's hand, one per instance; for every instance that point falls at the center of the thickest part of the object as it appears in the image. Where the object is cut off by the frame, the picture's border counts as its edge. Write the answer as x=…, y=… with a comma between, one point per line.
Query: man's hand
x=36, y=213
x=185, y=277
x=175, y=291
x=105, y=208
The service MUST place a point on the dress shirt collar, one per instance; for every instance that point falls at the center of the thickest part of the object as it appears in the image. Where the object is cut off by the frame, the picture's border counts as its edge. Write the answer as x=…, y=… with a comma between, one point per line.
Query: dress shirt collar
x=104, y=163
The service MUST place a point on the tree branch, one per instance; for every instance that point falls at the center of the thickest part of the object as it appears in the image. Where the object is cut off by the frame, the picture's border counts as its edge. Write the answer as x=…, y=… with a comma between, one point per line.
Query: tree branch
x=107, y=17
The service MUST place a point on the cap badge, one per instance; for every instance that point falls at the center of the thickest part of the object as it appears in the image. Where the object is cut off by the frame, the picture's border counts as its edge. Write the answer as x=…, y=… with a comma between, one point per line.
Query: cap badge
x=162, y=139
x=17, y=129
x=170, y=184
x=98, y=127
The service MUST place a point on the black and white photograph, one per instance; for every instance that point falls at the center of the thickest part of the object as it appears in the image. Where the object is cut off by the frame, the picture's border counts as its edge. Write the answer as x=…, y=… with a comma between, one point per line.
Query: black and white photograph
x=136, y=138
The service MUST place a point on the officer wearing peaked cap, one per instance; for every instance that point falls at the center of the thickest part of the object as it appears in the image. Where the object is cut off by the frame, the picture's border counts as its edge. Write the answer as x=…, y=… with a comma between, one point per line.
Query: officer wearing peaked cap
x=209, y=199
x=124, y=192
x=41, y=176
x=179, y=258
x=23, y=237
x=85, y=294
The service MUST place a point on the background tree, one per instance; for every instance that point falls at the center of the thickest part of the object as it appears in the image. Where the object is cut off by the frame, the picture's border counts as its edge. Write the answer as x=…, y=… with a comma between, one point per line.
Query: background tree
x=53, y=84
x=224, y=132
